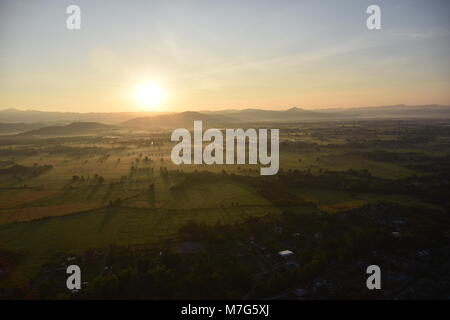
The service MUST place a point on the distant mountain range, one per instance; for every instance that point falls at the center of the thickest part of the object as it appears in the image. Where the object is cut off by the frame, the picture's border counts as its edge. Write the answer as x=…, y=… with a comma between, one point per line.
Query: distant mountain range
x=379, y=112
x=34, y=116
x=36, y=123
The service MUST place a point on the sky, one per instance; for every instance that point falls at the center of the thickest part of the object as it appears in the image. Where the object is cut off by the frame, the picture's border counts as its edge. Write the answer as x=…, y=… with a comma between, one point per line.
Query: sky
x=214, y=55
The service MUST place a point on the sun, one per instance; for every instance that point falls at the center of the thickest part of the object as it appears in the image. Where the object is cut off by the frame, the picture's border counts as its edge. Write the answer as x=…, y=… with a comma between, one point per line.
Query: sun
x=150, y=95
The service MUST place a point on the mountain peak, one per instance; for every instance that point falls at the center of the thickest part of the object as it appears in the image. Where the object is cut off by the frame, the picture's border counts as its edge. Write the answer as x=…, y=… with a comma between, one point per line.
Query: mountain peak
x=294, y=109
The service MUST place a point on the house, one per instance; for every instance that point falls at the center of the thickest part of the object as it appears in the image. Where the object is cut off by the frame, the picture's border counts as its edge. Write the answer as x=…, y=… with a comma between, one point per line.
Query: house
x=286, y=253
x=287, y=256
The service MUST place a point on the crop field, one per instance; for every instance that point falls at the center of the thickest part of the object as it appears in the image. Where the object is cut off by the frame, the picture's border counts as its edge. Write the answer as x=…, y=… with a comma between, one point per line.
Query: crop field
x=334, y=201
x=69, y=195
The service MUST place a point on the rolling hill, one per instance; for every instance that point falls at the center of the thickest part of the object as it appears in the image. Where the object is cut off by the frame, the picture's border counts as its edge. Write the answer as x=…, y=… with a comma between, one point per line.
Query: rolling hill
x=12, y=128
x=73, y=129
x=177, y=120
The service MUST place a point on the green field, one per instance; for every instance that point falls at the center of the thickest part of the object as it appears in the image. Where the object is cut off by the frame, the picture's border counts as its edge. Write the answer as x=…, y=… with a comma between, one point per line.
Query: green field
x=125, y=191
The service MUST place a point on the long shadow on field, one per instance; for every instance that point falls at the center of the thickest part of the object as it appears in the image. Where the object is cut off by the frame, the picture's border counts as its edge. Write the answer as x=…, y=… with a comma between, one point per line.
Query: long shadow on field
x=93, y=191
x=110, y=212
x=108, y=193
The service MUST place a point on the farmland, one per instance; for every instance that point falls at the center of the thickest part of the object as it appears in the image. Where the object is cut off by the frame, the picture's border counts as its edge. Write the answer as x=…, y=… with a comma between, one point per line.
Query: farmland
x=65, y=196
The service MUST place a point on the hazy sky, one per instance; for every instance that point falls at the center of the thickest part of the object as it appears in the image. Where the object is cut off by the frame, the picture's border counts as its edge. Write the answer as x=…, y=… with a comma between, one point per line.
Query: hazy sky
x=210, y=54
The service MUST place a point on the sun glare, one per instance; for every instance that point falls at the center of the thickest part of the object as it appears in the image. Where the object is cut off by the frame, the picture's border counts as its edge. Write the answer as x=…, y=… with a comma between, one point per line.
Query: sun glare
x=150, y=95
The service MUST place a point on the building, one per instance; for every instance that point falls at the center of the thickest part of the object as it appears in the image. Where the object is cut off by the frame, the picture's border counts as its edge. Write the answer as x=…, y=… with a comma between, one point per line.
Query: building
x=286, y=254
